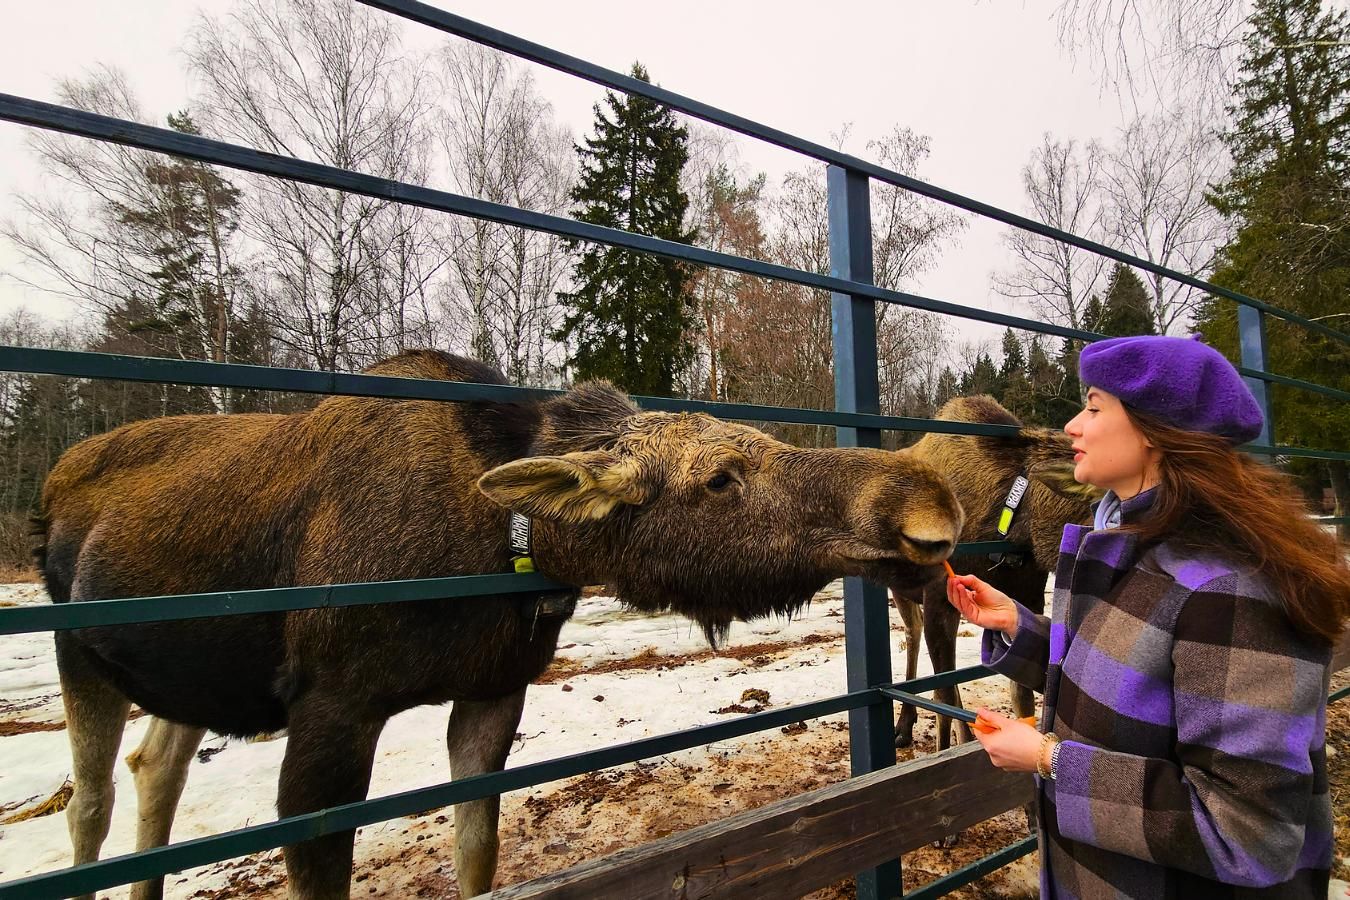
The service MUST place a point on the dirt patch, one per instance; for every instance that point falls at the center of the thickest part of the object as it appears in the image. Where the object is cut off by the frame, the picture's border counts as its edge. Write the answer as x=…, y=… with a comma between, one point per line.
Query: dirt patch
x=752, y=700
x=555, y=827
x=9, y=729
x=755, y=654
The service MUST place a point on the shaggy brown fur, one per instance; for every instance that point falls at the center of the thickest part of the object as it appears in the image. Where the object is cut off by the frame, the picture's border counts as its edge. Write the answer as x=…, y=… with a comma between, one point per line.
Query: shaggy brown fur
x=714, y=520
x=981, y=470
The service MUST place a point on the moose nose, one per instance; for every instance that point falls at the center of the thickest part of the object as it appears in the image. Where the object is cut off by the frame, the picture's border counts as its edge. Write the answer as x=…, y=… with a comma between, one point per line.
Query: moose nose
x=927, y=550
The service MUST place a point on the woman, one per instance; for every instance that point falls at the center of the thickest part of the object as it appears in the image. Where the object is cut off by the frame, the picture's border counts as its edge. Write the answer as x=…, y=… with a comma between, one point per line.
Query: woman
x=1185, y=670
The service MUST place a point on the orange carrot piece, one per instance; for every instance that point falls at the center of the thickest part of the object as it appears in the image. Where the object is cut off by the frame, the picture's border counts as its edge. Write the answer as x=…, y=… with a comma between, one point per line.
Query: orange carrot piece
x=988, y=728
x=951, y=573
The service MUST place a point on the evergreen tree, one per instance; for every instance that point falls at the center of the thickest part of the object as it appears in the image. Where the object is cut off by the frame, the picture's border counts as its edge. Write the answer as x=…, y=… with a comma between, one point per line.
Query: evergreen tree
x=1069, y=397
x=1045, y=380
x=948, y=386
x=630, y=317
x=1287, y=197
x=182, y=230
x=1126, y=310
x=1093, y=314
x=1014, y=382
x=982, y=377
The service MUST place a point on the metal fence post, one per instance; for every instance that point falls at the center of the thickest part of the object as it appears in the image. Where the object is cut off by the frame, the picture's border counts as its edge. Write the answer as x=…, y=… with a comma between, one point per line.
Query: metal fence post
x=1252, y=340
x=856, y=389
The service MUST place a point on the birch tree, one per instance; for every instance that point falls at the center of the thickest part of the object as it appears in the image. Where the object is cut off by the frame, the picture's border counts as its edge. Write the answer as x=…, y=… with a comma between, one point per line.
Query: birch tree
x=325, y=80
x=1063, y=185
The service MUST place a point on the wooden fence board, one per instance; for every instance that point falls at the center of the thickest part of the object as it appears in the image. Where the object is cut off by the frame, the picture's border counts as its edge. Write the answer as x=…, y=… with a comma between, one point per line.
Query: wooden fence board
x=794, y=846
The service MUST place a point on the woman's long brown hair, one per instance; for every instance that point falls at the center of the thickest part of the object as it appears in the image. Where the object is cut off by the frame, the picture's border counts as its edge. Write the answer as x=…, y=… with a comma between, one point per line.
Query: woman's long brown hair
x=1214, y=498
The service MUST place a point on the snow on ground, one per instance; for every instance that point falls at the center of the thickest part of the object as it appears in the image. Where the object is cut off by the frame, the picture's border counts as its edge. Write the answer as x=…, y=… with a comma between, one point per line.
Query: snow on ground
x=657, y=677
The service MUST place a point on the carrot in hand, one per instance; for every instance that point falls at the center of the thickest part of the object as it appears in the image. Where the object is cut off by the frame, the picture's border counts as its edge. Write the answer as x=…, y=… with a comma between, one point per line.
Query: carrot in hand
x=951, y=573
x=989, y=727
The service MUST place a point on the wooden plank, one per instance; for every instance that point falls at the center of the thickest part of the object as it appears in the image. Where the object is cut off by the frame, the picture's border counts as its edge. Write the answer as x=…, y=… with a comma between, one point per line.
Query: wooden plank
x=803, y=843
x=1341, y=658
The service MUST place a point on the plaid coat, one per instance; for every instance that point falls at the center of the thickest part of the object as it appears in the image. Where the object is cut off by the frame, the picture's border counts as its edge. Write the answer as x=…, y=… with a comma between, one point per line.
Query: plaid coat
x=1193, y=719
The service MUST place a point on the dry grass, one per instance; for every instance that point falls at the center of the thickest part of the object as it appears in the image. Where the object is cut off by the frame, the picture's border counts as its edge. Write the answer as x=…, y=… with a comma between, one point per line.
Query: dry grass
x=10, y=574
x=53, y=804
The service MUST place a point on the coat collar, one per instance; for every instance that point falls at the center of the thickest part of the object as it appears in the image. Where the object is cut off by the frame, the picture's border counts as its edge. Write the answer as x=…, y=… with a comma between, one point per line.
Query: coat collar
x=1111, y=511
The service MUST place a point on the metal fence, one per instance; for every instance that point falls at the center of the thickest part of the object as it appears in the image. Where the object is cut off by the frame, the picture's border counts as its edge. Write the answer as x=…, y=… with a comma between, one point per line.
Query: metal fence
x=871, y=694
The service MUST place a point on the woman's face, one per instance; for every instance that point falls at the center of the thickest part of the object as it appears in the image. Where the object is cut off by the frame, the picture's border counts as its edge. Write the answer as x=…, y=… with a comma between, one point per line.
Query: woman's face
x=1110, y=452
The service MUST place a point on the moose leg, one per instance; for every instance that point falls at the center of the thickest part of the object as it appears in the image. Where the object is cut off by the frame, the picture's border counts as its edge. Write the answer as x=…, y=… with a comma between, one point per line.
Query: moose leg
x=96, y=713
x=329, y=755
x=479, y=736
x=941, y=621
x=911, y=614
x=160, y=766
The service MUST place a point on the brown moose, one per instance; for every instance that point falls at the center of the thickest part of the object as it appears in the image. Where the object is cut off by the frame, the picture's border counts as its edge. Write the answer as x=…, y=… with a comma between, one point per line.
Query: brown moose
x=981, y=470
x=713, y=520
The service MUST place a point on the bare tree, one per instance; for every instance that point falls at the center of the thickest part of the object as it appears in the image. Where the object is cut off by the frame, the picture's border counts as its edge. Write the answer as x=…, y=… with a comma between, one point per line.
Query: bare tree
x=1164, y=47
x=725, y=210
x=1155, y=184
x=500, y=144
x=908, y=233
x=133, y=235
x=785, y=349
x=324, y=80
x=1063, y=184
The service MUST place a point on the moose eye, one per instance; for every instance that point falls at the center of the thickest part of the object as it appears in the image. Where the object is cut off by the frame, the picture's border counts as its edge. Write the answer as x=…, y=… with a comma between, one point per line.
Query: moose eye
x=719, y=481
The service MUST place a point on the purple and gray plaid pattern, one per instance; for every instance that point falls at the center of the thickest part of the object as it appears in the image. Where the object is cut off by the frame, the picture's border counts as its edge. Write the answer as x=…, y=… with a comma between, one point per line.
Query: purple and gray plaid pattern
x=1193, y=719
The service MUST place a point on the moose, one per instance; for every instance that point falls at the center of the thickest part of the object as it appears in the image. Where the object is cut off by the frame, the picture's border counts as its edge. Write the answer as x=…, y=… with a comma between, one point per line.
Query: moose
x=982, y=471
x=684, y=512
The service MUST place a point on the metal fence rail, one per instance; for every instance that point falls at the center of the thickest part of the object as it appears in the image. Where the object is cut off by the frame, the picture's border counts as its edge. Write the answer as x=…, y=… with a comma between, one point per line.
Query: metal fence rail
x=857, y=418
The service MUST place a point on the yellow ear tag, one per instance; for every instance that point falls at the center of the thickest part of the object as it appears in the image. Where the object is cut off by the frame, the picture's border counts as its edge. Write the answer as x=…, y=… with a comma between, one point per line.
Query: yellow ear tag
x=524, y=564
x=1005, y=521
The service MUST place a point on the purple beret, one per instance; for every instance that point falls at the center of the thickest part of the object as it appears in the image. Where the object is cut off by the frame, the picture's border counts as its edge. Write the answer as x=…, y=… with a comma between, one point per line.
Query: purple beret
x=1183, y=382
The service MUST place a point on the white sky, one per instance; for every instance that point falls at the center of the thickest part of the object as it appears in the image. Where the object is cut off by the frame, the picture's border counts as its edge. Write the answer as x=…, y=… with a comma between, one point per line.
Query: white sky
x=983, y=79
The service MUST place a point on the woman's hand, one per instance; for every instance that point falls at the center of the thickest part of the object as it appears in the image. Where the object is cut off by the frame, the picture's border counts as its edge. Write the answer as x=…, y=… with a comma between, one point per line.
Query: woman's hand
x=982, y=604
x=1012, y=745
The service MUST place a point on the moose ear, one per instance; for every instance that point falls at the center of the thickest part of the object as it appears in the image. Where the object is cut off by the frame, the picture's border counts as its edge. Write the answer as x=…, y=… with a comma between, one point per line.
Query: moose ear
x=574, y=488
x=1049, y=460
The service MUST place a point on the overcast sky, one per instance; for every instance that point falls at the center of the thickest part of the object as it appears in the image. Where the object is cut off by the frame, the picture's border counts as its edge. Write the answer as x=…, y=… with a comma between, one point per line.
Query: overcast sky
x=984, y=80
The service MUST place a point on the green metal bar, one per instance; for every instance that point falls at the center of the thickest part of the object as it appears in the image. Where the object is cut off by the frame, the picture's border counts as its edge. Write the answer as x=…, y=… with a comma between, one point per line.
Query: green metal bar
x=1280, y=450
x=40, y=114
x=943, y=679
x=973, y=872
x=129, y=610
x=1339, y=695
x=954, y=712
x=538, y=53
x=176, y=857
x=1294, y=383
x=83, y=364
x=84, y=614
x=867, y=654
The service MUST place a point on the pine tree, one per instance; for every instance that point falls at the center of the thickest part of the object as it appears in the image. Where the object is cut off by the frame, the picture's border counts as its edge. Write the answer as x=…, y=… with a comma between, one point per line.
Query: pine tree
x=1126, y=310
x=1069, y=398
x=948, y=386
x=982, y=377
x=630, y=317
x=1093, y=314
x=183, y=229
x=1014, y=382
x=1287, y=197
